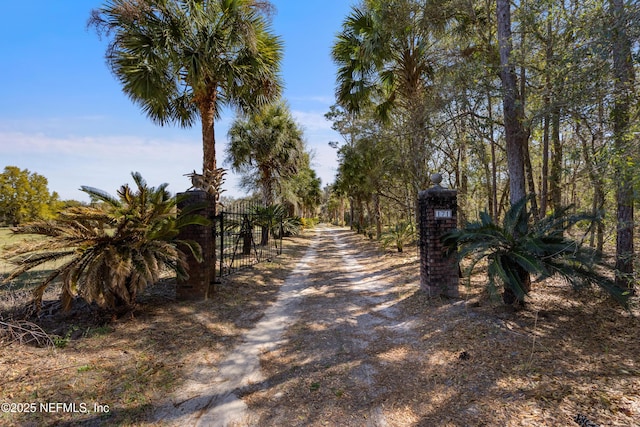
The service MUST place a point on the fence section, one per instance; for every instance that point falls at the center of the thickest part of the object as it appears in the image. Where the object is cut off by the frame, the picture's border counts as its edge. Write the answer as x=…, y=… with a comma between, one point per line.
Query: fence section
x=247, y=233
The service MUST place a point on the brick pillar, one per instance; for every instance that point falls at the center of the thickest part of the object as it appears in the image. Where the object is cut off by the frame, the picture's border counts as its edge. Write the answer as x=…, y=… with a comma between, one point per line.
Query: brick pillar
x=201, y=274
x=437, y=210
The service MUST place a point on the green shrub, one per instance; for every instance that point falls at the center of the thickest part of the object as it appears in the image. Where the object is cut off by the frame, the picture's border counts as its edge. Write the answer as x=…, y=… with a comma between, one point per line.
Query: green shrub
x=309, y=222
x=111, y=250
x=399, y=236
x=535, y=248
x=275, y=221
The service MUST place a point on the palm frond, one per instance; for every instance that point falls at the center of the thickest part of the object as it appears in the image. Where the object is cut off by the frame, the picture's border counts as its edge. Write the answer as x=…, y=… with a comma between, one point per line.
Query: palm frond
x=111, y=253
x=535, y=248
x=100, y=195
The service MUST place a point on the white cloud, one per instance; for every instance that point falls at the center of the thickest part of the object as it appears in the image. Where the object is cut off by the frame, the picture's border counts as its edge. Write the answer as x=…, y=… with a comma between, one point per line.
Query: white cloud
x=90, y=146
x=311, y=121
x=105, y=160
x=102, y=162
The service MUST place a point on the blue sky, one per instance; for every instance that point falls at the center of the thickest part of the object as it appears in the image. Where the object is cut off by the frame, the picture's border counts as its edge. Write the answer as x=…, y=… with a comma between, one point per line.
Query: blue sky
x=64, y=116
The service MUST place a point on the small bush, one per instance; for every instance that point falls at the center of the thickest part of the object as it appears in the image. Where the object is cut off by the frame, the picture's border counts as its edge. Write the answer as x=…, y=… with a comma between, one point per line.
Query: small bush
x=399, y=236
x=309, y=222
x=521, y=248
x=109, y=251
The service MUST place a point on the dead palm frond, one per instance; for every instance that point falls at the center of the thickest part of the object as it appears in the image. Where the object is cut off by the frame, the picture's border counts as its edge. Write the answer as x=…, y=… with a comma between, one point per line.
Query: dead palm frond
x=111, y=250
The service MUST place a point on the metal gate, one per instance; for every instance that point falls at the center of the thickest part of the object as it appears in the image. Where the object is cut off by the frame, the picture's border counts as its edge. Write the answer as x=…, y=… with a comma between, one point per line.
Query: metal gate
x=246, y=235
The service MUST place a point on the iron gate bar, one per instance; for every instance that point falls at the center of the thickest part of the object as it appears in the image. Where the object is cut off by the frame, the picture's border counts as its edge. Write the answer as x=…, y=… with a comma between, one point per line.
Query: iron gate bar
x=237, y=222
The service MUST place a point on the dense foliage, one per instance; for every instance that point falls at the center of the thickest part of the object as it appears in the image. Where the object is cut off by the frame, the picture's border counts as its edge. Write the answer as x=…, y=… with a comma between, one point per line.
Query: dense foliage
x=110, y=251
x=268, y=149
x=183, y=60
x=24, y=196
x=525, y=98
x=537, y=248
x=276, y=222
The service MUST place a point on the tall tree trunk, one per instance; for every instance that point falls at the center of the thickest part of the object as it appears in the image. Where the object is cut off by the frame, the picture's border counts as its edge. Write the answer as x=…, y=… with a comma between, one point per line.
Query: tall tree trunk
x=361, y=227
x=207, y=108
x=512, y=106
x=370, y=218
x=555, y=175
x=515, y=136
x=544, y=178
x=462, y=180
x=352, y=213
x=494, y=162
x=598, y=208
x=530, y=179
x=596, y=179
x=600, y=192
x=378, y=215
x=526, y=130
x=267, y=188
x=544, y=184
x=623, y=96
x=488, y=179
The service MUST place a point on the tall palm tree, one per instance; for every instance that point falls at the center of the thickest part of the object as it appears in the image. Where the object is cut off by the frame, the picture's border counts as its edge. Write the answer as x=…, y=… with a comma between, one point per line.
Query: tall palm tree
x=111, y=250
x=383, y=56
x=385, y=59
x=267, y=147
x=180, y=59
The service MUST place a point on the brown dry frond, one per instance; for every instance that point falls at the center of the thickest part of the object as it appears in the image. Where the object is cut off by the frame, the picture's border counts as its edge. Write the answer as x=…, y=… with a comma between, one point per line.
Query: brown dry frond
x=109, y=252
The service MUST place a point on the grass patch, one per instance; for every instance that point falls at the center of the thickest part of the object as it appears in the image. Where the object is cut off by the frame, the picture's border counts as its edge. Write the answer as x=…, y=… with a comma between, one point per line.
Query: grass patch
x=26, y=281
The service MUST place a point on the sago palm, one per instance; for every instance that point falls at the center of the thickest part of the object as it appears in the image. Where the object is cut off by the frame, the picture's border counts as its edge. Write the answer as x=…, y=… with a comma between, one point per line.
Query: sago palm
x=111, y=250
x=539, y=248
x=180, y=59
x=399, y=235
x=274, y=220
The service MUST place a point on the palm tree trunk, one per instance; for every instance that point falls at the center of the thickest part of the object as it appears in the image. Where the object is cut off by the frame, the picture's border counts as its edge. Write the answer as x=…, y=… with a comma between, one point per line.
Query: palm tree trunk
x=207, y=107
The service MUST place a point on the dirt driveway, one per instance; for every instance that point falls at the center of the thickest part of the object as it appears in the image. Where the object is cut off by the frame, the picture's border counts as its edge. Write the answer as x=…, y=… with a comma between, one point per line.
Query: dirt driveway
x=336, y=332
x=352, y=341
x=326, y=335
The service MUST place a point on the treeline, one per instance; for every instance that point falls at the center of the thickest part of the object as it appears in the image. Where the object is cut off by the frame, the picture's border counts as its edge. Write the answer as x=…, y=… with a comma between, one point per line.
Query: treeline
x=25, y=196
x=421, y=88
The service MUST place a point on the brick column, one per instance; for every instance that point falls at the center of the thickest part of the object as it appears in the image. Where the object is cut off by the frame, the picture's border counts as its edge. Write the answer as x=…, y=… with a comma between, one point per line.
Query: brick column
x=198, y=285
x=437, y=212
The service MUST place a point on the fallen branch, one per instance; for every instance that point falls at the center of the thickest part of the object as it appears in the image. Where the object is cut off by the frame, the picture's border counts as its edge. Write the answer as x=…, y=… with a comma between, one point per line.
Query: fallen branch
x=26, y=333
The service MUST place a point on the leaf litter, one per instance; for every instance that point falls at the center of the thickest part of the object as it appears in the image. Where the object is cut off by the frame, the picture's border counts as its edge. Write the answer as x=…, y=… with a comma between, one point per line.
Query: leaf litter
x=384, y=354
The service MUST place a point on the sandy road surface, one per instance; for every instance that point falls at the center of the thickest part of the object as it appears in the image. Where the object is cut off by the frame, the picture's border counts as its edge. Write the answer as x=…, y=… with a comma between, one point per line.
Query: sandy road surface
x=348, y=309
